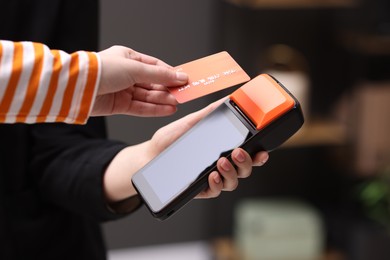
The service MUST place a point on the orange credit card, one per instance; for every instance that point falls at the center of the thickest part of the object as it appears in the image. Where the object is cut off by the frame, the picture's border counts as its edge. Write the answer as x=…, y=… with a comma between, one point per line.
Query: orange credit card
x=208, y=75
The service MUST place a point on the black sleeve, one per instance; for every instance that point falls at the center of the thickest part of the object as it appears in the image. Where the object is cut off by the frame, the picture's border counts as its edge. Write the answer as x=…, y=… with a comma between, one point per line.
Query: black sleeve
x=68, y=166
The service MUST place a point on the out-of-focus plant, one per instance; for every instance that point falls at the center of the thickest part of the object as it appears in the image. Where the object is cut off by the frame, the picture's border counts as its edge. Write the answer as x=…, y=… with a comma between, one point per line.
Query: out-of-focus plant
x=375, y=197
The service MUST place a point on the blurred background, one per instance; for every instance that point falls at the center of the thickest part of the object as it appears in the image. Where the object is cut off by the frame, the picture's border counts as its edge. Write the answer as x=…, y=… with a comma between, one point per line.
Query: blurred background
x=326, y=193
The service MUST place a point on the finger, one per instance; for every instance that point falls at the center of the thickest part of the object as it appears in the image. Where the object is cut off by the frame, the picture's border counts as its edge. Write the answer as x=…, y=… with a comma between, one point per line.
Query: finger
x=147, y=73
x=214, y=188
x=154, y=96
x=228, y=173
x=147, y=59
x=122, y=51
x=177, y=128
x=260, y=158
x=145, y=109
x=190, y=120
x=152, y=86
x=243, y=161
x=119, y=104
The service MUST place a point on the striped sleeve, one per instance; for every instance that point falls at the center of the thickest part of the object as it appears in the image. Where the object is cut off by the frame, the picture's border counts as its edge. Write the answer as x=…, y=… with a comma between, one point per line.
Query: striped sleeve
x=40, y=85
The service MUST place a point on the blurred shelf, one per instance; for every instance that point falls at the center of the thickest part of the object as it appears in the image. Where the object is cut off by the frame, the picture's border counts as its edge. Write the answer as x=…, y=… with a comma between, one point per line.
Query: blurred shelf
x=367, y=43
x=285, y=4
x=318, y=132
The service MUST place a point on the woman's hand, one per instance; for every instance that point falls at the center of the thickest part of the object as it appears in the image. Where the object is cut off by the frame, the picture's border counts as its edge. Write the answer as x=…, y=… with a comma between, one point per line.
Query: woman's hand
x=133, y=83
x=119, y=173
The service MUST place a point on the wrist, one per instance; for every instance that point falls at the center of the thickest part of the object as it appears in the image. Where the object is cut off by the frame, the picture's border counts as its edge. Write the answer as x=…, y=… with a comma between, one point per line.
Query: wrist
x=117, y=183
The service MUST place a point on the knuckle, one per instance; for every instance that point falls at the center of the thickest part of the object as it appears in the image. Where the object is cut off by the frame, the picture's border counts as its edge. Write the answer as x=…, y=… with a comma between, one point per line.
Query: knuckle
x=232, y=186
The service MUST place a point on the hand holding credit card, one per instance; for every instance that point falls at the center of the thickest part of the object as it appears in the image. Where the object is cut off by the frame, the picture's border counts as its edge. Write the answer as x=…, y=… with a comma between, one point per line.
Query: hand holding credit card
x=208, y=75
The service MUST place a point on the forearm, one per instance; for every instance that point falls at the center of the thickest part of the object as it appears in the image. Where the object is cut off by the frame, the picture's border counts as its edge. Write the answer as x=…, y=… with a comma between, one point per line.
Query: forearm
x=68, y=165
x=42, y=85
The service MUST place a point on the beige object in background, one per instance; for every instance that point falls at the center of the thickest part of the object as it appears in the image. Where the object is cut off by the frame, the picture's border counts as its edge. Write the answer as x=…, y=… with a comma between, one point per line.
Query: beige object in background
x=290, y=67
x=370, y=127
x=294, y=3
x=278, y=230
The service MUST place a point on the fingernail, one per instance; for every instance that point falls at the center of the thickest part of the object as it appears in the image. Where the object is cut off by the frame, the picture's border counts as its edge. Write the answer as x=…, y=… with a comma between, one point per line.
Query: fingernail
x=264, y=160
x=240, y=157
x=217, y=179
x=225, y=165
x=181, y=76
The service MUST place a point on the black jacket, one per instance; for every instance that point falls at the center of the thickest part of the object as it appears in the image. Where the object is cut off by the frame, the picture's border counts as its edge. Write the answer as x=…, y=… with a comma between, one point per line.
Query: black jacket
x=51, y=200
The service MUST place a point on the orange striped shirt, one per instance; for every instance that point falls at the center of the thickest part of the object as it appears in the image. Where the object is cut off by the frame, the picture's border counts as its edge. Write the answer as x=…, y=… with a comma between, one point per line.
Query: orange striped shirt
x=41, y=85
